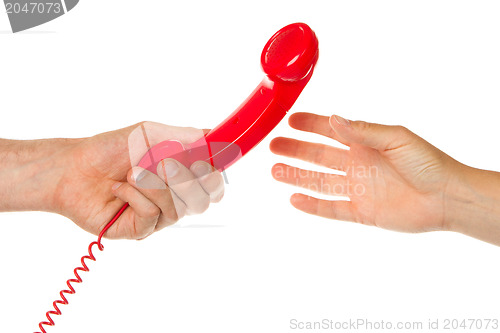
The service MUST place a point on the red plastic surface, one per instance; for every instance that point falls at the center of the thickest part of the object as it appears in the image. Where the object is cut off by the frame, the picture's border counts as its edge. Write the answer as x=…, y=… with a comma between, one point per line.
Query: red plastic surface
x=288, y=59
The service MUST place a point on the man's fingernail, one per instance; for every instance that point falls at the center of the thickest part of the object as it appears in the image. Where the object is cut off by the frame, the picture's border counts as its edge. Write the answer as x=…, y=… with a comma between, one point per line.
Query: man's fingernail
x=201, y=169
x=342, y=121
x=171, y=168
x=138, y=174
x=116, y=186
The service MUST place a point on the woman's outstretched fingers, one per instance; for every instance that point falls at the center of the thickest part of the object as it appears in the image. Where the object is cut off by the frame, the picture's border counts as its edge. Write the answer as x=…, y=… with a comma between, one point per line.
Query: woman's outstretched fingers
x=312, y=180
x=313, y=123
x=380, y=137
x=320, y=154
x=336, y=210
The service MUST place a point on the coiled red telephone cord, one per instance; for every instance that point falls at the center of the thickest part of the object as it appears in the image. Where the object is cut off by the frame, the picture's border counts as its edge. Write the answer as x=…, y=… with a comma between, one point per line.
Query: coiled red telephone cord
x=78, y=279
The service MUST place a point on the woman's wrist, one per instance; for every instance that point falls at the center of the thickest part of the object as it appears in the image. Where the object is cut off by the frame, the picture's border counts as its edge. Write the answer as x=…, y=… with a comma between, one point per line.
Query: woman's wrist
x=472, y=204
x=30, y=172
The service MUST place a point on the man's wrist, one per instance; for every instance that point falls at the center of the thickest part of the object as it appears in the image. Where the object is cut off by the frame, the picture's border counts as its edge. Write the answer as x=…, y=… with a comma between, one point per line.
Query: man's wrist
x=30, y=172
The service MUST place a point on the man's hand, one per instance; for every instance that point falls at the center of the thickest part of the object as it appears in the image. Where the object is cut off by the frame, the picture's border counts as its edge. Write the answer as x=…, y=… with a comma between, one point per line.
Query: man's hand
x=88, y=180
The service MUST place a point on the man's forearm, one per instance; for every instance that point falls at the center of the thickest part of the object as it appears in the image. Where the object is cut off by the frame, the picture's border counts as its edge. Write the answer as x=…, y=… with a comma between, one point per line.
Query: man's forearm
x=29, y=171
x=16, y=152
x=474, y=205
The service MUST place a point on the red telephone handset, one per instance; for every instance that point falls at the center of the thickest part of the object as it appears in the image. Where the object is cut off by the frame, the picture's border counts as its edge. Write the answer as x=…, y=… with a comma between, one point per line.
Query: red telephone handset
x=288, y=59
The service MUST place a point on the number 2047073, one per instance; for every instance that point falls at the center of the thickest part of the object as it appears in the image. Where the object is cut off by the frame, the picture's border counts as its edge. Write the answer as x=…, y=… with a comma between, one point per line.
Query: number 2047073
x=33, y=8
x=471, y=324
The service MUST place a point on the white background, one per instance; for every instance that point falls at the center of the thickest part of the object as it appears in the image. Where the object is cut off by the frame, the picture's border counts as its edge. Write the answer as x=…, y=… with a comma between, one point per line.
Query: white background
x=252, y=262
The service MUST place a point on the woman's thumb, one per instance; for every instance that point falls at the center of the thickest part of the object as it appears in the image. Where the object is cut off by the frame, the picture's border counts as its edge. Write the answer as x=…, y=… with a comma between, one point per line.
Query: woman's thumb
x=380, y=137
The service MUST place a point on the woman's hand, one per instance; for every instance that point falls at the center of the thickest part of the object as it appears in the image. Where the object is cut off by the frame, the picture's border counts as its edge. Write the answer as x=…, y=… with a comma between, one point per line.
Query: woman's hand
x=393, y=178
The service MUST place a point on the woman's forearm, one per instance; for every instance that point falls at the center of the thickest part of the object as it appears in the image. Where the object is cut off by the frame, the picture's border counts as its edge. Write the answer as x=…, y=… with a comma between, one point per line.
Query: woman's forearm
x=29, y=172
x=473, y=204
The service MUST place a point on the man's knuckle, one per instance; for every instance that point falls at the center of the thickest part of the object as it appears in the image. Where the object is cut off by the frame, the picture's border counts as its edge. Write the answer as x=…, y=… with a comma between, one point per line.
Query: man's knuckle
x=179, y=212
x=401, y=130
x=204, y=205
x=201, y=206
x=152, y=211
x=213, y=182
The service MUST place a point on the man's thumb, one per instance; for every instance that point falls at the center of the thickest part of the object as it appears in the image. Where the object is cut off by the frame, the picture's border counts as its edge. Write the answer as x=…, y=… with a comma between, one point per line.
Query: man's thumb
x=380, y=137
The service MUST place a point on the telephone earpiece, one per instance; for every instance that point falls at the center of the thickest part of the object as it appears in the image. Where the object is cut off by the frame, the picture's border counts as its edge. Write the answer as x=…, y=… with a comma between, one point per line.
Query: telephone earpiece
x=288, y=59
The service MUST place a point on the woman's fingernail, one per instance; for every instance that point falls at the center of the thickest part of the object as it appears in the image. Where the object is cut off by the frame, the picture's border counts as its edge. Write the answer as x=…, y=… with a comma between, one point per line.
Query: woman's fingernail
x=342, y=121
x=138, y=174
x=201, y=169
x=116, y=186
x=171, y=168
